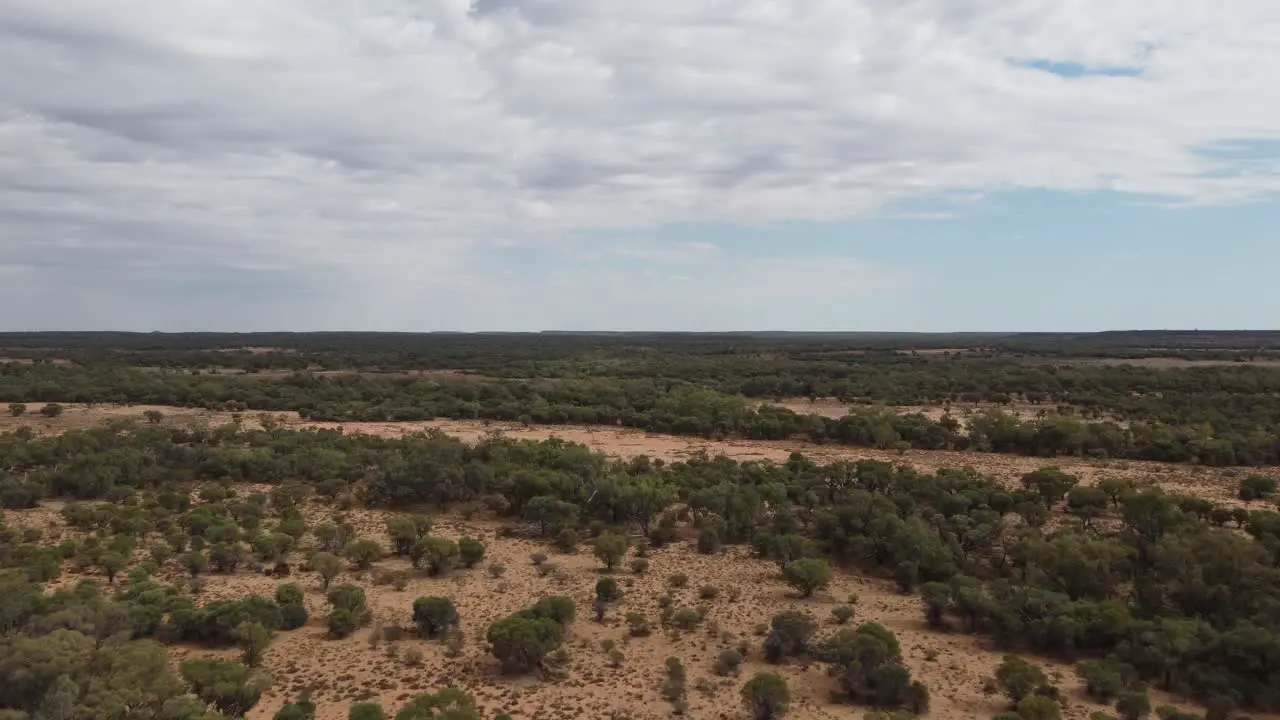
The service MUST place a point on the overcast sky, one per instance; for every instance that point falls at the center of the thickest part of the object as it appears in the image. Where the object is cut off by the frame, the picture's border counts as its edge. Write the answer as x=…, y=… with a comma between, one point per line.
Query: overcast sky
x=614, y=164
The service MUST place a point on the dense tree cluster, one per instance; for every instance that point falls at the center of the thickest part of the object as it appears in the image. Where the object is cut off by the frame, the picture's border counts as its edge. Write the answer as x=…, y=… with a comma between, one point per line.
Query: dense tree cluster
x=81, y=652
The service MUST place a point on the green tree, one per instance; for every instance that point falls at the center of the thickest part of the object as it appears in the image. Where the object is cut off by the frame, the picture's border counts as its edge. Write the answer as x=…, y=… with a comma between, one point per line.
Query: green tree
x=302, y=709
x=470, y=551
x=230, y=687
x=366, y=711
x=447, y=704
x=253, y=639
x=1103, y=679
x=195, y=563
x=363, y=552
x=272, y=547
x=403, y=532
x=293, y=616
x=289, y=594
x=610, y=548
x=789, y=635
x=520, y=643
x=438, y=554
x=1039, y=707
x=867, y=662
x=766, y=696
x=807, y=575
x=1018, y=678
x=1051, y=484
x=1133, y=706
x=327, y=565
x=708, y=541
x=347, y=597
x=343, y=622
x=111, y=563
x=1256, y=487
x=567, y=540
x=434, y=616
x=51, y=410
x=607, y=590
x=225, y=557
x=1087, y=503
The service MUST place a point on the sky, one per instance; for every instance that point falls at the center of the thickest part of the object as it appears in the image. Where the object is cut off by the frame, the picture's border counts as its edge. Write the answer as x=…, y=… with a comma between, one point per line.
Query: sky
x=416, y=165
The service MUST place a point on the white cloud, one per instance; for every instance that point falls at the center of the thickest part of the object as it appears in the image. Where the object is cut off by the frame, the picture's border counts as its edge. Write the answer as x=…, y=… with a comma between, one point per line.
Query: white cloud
x=685, y=253
x=387, y=152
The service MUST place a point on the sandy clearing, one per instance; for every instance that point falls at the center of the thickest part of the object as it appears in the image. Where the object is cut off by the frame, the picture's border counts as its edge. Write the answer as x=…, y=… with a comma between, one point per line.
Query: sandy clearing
x=962, y=412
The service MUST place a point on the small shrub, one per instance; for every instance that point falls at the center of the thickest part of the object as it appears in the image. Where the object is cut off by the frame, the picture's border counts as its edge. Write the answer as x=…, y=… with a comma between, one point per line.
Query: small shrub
x=610, y=548
x=1256, y=487
x=289, y=594
x=789, y=635
x=709, y=592
x=678, y=580
x=673, y=686
x=708, y=541
x=496, y=570
x=567, y=540
x=807, y=575
x=293, y=616
x=639, y=566
x=607, y=590
x=686, y=619
x=766, y=696
x=842, y=614
x=637, y=625
x=1133, y=706
x=1018, y=678
x=343, y=622
x=454, y=643
x=434, y=616
x=728, y=662
x=470, y=551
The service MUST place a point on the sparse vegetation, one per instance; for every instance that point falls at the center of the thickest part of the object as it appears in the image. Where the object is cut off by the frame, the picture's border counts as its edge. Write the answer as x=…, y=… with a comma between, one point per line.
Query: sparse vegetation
x=1139, y=574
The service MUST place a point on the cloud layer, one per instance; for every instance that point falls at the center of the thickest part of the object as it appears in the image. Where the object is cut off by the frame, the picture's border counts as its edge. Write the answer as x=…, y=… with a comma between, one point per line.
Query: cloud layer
x=325, y=163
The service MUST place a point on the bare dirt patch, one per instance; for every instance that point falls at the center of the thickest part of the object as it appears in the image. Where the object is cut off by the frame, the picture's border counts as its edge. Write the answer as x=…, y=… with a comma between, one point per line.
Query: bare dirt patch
x=962, y=412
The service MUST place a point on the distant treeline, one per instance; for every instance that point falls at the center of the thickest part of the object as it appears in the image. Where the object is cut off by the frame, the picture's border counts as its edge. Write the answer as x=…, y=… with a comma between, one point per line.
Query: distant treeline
x=1202, y=415
x=492, y=351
